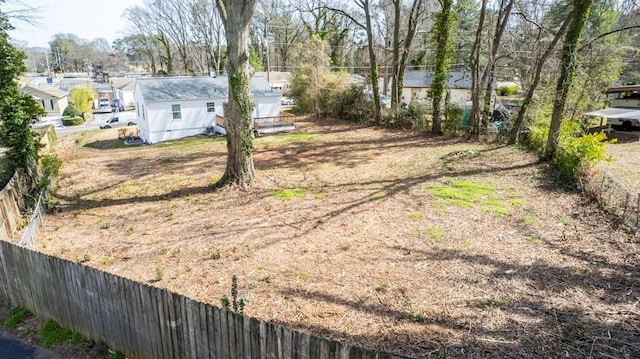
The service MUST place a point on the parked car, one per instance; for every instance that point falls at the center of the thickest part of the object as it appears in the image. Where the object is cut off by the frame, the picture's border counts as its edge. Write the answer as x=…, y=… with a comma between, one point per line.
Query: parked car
x=123, y=119
x=117, y=105
x=286, y=101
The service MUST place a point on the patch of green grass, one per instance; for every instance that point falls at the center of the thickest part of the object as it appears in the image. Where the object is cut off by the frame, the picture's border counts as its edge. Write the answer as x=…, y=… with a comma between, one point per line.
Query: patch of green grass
x=291, y=193
x=517, y=203
x=462, y=193
x=185, y=143
x=447, y=250
x=304, y=276
x=105, y=225
x=116, y=355
x=52, y=333
x=495, y=207
x=415, y=215
x=535, y=240
x=381, y=288
x=529, y=220
x=467, y=243
x=16, y=316
x=435, y=233
x=164, y=250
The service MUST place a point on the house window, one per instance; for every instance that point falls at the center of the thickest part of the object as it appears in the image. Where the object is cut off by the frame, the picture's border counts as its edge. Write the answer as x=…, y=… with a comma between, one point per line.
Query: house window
x=177, y=114
x=211, y=107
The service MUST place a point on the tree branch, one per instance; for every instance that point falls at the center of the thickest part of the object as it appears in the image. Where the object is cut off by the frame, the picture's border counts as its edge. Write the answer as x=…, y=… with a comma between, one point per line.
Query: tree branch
x=607, y=34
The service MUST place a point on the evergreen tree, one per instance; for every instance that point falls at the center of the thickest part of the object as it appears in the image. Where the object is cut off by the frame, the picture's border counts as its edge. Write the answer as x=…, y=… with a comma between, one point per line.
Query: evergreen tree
x=16, y=111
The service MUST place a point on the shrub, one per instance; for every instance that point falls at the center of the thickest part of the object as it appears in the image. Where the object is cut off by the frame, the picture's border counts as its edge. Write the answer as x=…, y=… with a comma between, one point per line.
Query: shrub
x=576, y=150
x=413, y=116
x=49, y=168
x=454, y=117
x=72, y=121
x=507, y=90
x=71, y=111
x=350, y=104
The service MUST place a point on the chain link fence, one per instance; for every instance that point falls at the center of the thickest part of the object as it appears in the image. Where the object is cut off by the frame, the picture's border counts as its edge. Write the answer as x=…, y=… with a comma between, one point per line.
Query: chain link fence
x=614, y=196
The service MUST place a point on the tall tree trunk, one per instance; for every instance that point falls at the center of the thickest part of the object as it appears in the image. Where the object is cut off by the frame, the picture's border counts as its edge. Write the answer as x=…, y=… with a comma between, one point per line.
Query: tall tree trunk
x=236, y=16
x=567, y=72
x=375, y=88
x=476, y=85
x=519, y=119
x=395, y=89
x=489, y=73
x=444, y=26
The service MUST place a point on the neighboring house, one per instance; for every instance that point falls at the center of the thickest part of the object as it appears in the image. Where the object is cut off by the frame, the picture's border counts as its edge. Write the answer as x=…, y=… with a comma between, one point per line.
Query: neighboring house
x=417, y=87
x=278, y=80
x=123, y=89
x=51, y=98
x=175, y=107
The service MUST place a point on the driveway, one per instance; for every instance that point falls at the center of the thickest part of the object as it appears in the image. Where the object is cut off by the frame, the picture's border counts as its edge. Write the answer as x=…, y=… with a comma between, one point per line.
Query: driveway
x=11, y=347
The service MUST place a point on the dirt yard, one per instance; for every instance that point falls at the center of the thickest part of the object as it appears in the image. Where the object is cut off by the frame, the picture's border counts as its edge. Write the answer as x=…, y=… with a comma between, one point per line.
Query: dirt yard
x=625, y=159
x=424, y=246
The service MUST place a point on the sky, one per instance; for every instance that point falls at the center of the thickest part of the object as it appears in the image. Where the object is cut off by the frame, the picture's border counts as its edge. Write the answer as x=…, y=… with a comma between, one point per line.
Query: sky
x=88, y=19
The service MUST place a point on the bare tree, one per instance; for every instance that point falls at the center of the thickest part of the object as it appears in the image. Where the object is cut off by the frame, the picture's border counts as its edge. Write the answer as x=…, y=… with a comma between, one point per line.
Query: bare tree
x=416, y=15
x=489, y=72
x=236, y=16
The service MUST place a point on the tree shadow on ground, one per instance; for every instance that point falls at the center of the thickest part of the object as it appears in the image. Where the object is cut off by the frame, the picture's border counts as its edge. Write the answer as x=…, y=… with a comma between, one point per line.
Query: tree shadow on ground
x=607, y=327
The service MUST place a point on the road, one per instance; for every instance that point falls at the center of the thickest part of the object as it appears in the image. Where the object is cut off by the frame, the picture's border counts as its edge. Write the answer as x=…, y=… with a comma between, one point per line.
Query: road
x=93, y=124
x=13, y=348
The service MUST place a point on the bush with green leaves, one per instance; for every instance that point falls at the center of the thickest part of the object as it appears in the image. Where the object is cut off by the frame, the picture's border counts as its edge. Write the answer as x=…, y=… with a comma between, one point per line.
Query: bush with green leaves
x=350, y=104
x=71, y=111
x=414, y=116
x=577, y=150
x=507, y=90
x=454, y=117
x=72, y=121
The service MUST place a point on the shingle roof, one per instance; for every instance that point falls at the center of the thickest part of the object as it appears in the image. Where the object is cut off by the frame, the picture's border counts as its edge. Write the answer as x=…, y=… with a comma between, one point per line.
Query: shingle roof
x=35, y=90
x=124, y=83
x=196, y=88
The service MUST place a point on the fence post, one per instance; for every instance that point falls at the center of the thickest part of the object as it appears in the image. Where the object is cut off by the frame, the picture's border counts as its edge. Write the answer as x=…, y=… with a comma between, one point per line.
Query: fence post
x=638, y=215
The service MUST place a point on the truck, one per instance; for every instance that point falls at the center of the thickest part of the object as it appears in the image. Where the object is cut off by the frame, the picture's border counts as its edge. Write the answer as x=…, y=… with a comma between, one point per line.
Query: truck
x=120, y=120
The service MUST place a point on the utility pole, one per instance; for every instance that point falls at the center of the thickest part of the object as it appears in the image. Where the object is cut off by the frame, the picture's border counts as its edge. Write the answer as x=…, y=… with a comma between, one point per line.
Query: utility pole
x=46, y=56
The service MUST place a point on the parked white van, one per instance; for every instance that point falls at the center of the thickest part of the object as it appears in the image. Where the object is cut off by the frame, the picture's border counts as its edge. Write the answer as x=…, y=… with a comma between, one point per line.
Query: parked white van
x=120, y=119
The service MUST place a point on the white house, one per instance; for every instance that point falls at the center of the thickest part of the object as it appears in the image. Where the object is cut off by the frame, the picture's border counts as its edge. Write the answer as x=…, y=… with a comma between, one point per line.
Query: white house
x=123, y=89
x=417, y=86
x=177, y=107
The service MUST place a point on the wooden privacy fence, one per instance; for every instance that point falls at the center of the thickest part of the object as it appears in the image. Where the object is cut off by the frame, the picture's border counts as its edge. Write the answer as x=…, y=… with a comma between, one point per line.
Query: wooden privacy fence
x=144, y=321
x=11, y=203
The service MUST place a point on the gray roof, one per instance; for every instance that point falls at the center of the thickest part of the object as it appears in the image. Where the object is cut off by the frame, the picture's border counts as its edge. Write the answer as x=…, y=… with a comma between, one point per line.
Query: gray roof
x=36, y=90
x=159, y=89
x=124, y=83
x=423, y=79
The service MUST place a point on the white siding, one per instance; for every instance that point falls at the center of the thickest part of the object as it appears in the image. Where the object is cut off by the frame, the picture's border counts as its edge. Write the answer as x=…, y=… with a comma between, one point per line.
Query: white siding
x=195, y=119
x=267, y=106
